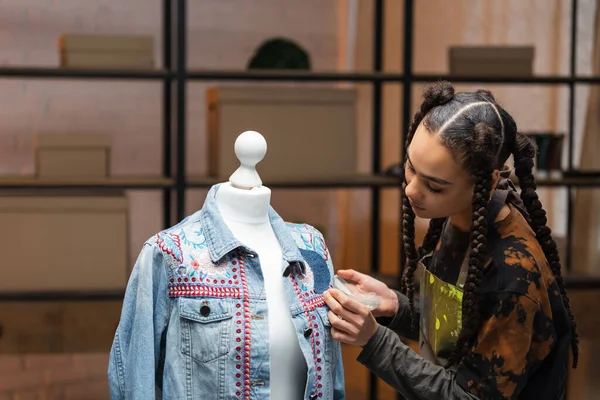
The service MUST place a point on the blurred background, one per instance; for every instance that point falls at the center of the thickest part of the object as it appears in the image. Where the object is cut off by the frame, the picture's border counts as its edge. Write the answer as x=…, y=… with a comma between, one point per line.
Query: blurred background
x=117, y=117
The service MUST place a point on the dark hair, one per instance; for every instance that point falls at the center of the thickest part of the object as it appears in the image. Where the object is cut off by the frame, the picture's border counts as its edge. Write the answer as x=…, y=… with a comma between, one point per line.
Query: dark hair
x=481, y=135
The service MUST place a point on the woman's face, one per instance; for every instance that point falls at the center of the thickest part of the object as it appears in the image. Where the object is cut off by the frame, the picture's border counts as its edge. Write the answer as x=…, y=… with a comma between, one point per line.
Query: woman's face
x=437, y=186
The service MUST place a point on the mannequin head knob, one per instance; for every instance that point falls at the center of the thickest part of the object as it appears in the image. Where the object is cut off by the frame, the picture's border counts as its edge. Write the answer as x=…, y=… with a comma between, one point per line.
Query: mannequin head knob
x=250, y=148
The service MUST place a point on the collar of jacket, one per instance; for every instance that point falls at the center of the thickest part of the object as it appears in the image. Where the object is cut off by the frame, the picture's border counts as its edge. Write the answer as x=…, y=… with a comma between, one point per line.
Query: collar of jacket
x=222, y=242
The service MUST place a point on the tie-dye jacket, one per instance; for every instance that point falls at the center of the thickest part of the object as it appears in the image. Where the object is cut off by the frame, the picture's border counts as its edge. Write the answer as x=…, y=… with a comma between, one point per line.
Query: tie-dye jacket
x=522, y=346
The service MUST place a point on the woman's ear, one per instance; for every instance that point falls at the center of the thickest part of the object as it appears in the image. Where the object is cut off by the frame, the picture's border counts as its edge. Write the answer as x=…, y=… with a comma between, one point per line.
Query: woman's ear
x=495, y=179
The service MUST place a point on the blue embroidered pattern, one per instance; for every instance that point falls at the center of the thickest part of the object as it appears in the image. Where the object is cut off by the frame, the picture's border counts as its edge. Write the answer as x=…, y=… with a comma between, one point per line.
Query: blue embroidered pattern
x=195, y=245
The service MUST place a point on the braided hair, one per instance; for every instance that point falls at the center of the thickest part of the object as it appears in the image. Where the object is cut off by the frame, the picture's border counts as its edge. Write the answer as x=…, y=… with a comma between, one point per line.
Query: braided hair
x=523, y=155
x=480, y=135
x=439, y=95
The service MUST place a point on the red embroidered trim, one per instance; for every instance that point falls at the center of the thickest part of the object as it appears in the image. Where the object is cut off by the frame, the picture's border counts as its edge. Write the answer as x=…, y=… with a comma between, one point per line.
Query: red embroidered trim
x=314, y=303
x=307, y=308
x=208, y=291
x=325, y=250
x=247, y=332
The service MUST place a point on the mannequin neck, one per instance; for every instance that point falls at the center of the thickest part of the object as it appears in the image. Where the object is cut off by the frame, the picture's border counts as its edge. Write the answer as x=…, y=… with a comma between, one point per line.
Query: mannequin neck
x=247, y=206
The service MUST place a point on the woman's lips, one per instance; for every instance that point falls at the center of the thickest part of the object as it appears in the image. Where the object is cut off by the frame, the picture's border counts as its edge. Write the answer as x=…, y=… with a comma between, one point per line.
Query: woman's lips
x=416, y=207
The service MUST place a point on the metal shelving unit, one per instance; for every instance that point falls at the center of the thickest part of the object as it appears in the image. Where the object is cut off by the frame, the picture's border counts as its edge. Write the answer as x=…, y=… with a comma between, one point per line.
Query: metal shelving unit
x=175, y=181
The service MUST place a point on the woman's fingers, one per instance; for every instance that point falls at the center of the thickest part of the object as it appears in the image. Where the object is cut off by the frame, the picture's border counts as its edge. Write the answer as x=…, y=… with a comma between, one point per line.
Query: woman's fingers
x=349, y=303
x=343, y=325
x=341, y=336
x=350, y=274
x=339, y=310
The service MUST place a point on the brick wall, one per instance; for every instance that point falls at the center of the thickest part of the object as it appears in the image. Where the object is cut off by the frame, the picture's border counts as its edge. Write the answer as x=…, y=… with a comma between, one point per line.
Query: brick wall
x=54, y=377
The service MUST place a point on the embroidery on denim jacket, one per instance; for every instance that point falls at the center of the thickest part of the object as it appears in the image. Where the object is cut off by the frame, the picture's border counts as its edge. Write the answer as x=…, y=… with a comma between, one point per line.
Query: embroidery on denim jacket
x=201, y=277
x=170, y=244
x=316, y=341
x=309, y=238
x=243, y=335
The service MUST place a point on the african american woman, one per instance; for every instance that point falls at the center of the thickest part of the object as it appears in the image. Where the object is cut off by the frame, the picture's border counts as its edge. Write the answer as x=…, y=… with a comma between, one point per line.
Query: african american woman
x=491, y=316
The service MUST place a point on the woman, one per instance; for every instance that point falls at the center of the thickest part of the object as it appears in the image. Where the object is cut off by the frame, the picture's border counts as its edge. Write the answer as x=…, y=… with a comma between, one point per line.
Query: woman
x=492, y=318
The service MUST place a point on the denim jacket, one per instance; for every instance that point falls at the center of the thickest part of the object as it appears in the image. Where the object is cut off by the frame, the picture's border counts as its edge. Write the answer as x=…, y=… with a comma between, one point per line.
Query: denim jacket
x=194, y=320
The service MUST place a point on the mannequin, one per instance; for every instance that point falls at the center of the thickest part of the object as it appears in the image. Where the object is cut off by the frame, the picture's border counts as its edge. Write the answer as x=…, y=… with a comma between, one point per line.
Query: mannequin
x=244, y=206
x=228, y=303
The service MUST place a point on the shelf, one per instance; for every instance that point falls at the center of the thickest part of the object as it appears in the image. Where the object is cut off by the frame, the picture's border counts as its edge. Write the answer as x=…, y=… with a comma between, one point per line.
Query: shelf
x=508, y=80
x=157, y=182
x=355, y=181
x=278, y=75
x=582, y=181
x=272, y=75
x=109, y=295
x=282, y=75
x=116, y=182
x=83, y=73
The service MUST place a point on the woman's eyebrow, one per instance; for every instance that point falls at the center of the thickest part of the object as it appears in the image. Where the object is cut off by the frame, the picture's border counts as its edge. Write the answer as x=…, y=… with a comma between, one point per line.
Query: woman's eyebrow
x=430, y=178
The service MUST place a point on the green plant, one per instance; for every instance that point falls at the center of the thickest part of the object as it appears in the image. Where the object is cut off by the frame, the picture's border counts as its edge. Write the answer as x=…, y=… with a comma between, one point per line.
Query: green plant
x=280, y=53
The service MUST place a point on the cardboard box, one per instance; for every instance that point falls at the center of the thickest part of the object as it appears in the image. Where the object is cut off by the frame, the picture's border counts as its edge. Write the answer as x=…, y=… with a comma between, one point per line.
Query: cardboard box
x=310, y=131
x=107, y=51
x=57, y=327
x=71, y=155
x=54, y=242
x=491, y=60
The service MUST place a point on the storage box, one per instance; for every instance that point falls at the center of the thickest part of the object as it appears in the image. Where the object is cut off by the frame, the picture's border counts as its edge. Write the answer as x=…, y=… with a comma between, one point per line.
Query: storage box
x=107, y=51
x=57, y=327
x=310, y=131
x=53, y=242
x=491, y=60
x=69, y=155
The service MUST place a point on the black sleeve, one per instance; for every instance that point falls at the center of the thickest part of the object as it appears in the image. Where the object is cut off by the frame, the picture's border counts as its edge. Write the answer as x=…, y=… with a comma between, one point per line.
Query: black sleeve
x=407, y=372
x=401, y=323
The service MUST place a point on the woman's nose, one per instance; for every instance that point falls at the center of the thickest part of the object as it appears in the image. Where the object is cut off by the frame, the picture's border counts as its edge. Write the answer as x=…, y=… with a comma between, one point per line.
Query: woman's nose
x=412, y=191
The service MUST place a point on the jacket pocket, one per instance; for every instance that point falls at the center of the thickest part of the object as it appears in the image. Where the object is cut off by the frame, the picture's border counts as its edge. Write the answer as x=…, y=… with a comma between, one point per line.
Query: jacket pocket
x=205, y=328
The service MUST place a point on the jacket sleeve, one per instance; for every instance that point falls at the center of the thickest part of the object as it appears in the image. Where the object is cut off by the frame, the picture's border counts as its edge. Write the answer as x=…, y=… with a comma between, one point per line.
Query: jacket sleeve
x=407, y=372
x=506, y=349
x=401, y=323
x=135, y=355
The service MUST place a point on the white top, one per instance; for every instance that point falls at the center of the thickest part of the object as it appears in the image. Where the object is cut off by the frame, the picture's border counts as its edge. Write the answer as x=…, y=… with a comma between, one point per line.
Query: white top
x=245, y=212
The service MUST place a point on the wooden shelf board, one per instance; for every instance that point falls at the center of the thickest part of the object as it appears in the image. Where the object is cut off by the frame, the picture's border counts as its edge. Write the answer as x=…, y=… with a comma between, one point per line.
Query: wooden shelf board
x=125, y=182
x=350, y=181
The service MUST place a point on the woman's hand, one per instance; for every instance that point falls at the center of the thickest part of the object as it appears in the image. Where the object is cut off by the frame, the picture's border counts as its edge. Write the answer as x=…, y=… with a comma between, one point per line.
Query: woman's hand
x=366, y=284
x=351, y=321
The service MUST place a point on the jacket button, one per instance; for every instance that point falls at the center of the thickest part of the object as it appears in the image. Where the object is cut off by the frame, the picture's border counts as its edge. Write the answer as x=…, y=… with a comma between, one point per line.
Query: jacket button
x=205, y=311
x=287, y=271
x=307, y=333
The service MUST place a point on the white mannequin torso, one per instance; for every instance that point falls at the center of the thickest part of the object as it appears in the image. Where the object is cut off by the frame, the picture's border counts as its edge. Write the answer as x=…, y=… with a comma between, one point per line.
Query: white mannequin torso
x=245, y=212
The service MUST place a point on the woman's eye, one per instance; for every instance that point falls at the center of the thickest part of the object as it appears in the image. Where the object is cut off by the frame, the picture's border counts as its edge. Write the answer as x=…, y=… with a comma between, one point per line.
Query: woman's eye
x=433, y=190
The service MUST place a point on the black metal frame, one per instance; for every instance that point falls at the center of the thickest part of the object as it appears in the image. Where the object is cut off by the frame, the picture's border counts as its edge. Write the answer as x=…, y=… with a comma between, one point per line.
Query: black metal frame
x=176, y=182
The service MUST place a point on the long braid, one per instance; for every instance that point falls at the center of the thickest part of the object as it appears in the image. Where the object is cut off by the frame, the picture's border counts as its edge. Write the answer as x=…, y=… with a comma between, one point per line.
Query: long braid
x=523, y=154
x=436, y=95
x=408, y=236
x=471, y=318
